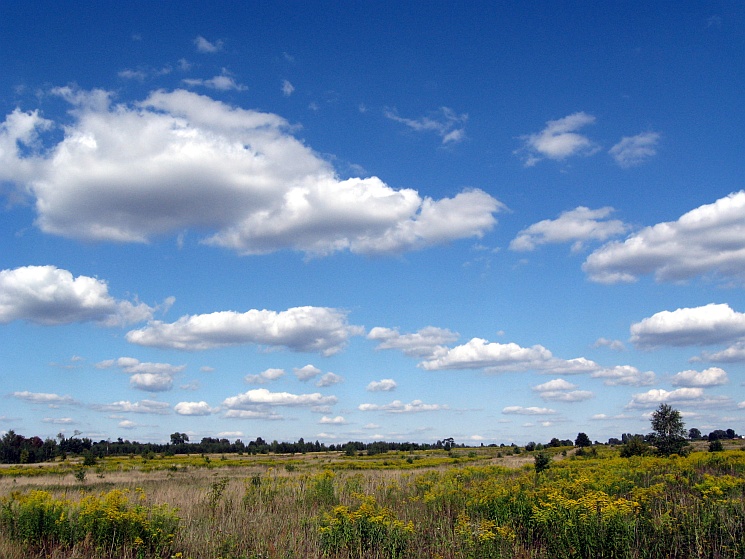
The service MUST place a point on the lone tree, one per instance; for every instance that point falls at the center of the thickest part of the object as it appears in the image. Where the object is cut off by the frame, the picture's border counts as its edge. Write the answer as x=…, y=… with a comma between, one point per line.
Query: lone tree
x=669, y=436
x=582, y=440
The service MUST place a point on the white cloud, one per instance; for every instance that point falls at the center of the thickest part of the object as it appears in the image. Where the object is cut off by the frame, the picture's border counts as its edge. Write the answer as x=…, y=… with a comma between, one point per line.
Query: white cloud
x=481, y=354
x=151, y=377
x=143, y=406
x=223, y=82
x=615, y=345
x=287, y=88
x=264, y=376
x=262, y=397
x=559, y=390
x=427, y=342
x=733, y=354
x=338, y=420
x=445, y=122
x=253, y=414
x=47, y=398
x=192, y=408
x=306, y=373
x=329, y=379
x=520, y=410
x=707, y=325
x=713, y=376
x=576, y=226
x=624, y=375
x=686, y=396
x=709, y=240
x=49, y=295
x=205, y=46
x=383, y=385
x=59, y=420
x=178, y=161
x=127, y=424
x=309, y=329
x=634, y=150
x=397, y=406
x=20, y=145
x=558, y=140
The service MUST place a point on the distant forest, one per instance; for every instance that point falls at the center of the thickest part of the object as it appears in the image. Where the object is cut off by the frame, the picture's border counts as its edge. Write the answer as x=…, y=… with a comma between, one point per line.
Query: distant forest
x=17, y=449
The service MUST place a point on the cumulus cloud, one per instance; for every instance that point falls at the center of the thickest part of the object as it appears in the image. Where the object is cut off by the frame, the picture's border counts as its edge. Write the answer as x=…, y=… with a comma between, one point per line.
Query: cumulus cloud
x=143, y=406
x=733, y=354
x=624, y=375
x=481, y=354
x=308, y=329
x=264, y=376
x=192, y=408
x=576, y=226
x=560, y=390
x=446, y=123
x=127, y=424
x=338, y=420
x=520, y=410
x=59, y=420
x=261, y=397
x=691, y=396
x=50, y=399
x=707, y=325
x=329, y=379
x=427, y=342
x=306, y=373
x=205, y=46
x=558, y=140
x=709, y=240
x=179, y=161
x=151, y=377
x=397, y=406
x=634, y=150
x=383, y=385
x=49, y=295
x=713, y=376
x=253, y=414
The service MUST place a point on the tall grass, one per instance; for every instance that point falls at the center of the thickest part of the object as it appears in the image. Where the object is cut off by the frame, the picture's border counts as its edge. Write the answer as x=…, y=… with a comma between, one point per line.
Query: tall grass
x=598, y=506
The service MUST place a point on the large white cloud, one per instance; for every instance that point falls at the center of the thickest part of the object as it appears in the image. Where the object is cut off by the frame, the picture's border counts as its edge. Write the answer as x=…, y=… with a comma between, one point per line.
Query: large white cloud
x=558, y=140
x=709, y=240
x=261, y=397
x=50, y=399
x=178, y=161
x=150, y=377
x=559, y=390
x=481, y=354
x=686, y=396
x=193, y=408
x=576, y=226
x=49, y=295
x=707, y=325
x=426, y=342
x=713, y=376
x=310, y=329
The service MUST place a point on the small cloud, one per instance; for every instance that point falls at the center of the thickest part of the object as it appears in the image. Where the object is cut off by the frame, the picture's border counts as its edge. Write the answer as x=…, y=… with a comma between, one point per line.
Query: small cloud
x=615, y=345
x=265, y=376
x=192, y=408
x=714, y=376
x=205, y=46
x=329, y=379
x=306, y=373
x=520, y=410
x=415, y=406
x=287, y=88
x=634, y=150
x=383, y=385
x=338, y=420
x=127, y=424
x=445, y=122
x=223, y=82
x=558, y=140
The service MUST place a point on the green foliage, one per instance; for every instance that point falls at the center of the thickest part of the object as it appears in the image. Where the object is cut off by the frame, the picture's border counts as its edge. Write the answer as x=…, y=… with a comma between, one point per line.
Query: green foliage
x=669, y=436
x=542, y=461
x=109, y=521
x=322, y=491
x=634, y=446
x=582, y=440
x=716, y=446
x=368, y=529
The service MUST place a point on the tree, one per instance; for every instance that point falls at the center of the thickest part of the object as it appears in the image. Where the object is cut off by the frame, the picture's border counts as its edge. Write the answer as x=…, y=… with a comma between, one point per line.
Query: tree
x=669, y=433
x=694, y=434
x=634, y=446
x=542, y=461
x=179, y=438
x=582, y=440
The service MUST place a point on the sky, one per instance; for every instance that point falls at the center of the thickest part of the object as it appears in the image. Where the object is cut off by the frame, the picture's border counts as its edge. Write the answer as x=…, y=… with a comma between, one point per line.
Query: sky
x=405, y=221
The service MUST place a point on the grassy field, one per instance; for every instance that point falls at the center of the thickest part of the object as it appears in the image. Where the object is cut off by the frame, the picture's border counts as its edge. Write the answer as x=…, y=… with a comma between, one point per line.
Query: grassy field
x=468, y=503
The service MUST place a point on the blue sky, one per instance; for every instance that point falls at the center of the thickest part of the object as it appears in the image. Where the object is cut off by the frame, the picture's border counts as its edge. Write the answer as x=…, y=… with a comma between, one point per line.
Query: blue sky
x=372, y=220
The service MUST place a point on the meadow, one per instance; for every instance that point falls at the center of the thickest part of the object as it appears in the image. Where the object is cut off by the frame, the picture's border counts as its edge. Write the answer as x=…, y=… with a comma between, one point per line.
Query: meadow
x=466, y=503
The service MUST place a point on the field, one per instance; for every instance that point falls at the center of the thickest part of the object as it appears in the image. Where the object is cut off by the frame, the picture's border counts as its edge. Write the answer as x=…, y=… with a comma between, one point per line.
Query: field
x=466, y=503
